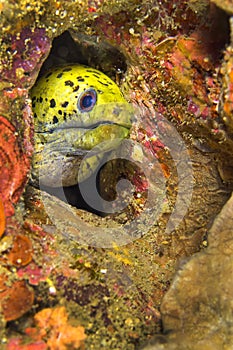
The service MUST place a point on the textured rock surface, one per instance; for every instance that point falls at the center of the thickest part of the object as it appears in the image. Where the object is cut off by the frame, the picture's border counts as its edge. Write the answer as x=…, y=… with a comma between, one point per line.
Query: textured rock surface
x=171, y=61
x=197, y=309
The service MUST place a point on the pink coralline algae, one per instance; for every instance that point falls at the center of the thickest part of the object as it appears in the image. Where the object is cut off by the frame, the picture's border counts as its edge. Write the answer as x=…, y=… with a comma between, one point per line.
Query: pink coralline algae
x=28, y=49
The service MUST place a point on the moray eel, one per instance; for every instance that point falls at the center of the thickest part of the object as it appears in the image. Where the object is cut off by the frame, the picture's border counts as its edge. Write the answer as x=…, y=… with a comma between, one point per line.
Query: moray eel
x=75, y=109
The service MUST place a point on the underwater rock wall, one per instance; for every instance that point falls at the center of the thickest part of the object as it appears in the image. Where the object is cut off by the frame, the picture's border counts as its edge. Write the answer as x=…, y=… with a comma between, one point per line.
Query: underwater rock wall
x=173, y=63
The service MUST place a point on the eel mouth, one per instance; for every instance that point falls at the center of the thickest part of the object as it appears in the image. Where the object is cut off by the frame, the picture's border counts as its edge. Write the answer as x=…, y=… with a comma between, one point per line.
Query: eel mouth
x=74, y=126
x=118, y=115
x=93, y=126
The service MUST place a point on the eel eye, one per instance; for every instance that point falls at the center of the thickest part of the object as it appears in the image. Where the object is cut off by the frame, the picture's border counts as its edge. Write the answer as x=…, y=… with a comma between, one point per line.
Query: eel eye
x=87, y=100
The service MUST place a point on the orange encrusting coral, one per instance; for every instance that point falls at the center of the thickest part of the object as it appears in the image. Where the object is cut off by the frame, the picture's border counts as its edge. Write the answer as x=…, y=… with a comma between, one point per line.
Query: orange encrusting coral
x=53, y=332
x=54, y=328
x=228, y=88
x=15, y=299
x=2, y=218
x=14, y=166
x=21, y=252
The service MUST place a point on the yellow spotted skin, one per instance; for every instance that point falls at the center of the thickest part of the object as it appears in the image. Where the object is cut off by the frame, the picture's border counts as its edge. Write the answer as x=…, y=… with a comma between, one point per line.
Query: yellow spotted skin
x=75, y=109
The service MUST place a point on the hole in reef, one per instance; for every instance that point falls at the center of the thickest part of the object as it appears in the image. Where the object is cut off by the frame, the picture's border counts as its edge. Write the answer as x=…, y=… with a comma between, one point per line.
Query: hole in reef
x=73, y=47
x=73, y=196
x=118, y=181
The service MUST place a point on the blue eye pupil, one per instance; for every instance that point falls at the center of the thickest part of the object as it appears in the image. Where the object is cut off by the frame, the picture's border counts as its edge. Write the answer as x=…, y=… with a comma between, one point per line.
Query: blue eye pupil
x=87, y=101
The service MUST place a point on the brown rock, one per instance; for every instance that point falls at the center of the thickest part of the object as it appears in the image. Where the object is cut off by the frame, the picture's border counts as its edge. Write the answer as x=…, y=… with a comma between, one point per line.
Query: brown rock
x=197, y=310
